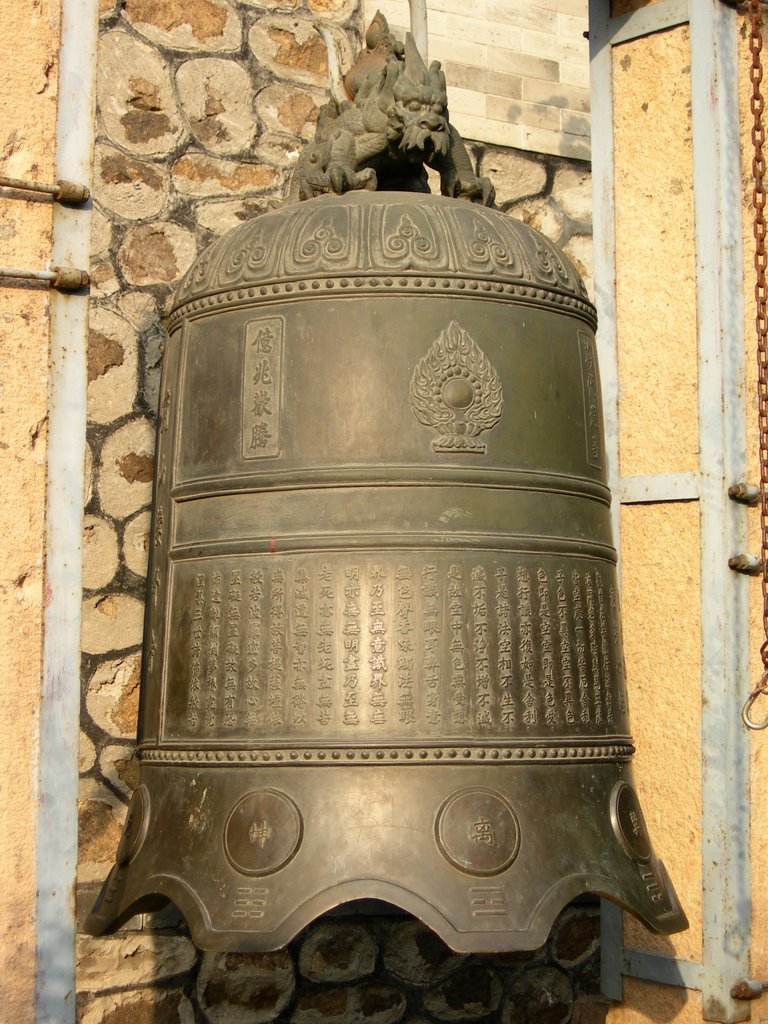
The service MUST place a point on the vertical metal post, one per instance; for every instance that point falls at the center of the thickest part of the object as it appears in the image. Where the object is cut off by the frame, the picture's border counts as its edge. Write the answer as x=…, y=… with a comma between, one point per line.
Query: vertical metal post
x=722, y=434
x=604, y=231
x=58, y=772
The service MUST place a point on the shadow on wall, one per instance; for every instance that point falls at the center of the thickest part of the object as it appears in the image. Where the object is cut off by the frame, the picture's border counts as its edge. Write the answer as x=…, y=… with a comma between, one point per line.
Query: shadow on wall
x=372, y=965
x=657, y=1004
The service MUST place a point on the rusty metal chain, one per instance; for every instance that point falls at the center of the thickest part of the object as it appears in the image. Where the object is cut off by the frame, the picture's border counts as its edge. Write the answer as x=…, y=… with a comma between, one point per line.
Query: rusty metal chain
x=757, y=105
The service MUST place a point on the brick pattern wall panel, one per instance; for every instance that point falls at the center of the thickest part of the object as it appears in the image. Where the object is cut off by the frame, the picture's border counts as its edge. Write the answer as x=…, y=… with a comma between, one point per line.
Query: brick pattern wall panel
x=518, y=72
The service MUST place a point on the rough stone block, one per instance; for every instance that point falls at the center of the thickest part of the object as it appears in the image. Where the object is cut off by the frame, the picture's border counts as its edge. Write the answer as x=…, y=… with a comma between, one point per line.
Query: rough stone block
x=101, y=233
x=575, y=935
x=136, y=543
x=99, y=552
x=127, y=961
x=217, y=99
x=572, y=189
x=278, y=150
x=126, y=469
x=156, y=253
x=473, y=992
x=540, y=996
x=210, y=25
x=365, y=1004
x=113, y=366
x=100, y=818
x=274, y=5
x=162, y=1007
x=415, y=954
x=87, y=475
x=291, y=48
x=198, y=175
x=86, y=754
x=576, y=73
x=141, y=310
x=112, y=697
x=337, y=951
x=103, y=276
x=338, y=10
x=113, y=622
x=289, y=109
x=515, y=175
x=580, y=250
x=240, y=988
x=542, y=214
x=135, y=96
x=119, y=766
x=127, y=186
x=224, y=215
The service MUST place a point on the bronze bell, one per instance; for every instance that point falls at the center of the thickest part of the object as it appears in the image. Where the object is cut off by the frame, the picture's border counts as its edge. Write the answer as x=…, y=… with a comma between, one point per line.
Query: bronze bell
x=383, y=654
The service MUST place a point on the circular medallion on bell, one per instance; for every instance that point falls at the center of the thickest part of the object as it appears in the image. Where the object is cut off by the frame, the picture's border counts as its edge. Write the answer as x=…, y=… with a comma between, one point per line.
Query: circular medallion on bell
x=263, y=832
x=478, y=832
x=629, y=823
x=135, y=828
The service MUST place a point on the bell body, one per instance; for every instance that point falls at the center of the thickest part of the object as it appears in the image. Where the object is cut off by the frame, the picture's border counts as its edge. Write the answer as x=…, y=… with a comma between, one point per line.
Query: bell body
x=383, y=654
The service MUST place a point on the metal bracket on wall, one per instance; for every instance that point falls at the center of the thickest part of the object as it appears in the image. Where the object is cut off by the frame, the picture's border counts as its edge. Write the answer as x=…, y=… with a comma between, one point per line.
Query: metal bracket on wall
x=63, y=279
x=658, y=487
x=646, y=20
x=664, y=970
x=60, y=191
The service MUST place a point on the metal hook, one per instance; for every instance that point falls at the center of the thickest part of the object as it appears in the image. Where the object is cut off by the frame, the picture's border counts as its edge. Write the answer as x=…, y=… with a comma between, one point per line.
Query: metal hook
x=750, y=723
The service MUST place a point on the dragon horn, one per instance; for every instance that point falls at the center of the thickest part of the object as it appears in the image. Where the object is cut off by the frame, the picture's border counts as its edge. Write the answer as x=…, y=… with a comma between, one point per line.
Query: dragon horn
x=335, y=76
x=418, y=10
x=415, y=68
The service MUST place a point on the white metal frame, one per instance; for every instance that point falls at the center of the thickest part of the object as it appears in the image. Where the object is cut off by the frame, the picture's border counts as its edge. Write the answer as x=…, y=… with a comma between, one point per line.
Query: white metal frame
x=726, y=914
x=60, y=711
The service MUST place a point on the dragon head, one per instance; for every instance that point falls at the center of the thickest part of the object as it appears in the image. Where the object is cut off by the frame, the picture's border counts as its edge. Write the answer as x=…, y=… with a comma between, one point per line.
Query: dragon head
x=419, y=106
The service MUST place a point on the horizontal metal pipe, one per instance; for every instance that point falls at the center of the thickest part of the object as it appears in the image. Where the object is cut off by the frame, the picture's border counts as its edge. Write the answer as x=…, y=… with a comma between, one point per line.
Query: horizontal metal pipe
x=62, y=191
x=31, y=275
x=65, y=279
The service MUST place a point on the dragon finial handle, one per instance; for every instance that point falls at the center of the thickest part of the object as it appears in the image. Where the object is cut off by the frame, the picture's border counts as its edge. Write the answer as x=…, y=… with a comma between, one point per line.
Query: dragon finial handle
x=386, y=123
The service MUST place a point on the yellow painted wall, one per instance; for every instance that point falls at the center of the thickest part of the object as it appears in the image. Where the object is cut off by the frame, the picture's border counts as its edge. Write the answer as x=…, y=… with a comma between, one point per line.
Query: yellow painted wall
x=656, y=330
x=660, y=543
x=30, y=32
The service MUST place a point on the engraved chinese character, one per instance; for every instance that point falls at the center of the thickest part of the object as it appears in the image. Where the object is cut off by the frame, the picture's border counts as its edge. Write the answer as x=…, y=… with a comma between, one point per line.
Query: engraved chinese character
x=262, y=402
x=263, y=341
x=262, y=373
x=482, y=831
x=260, y=435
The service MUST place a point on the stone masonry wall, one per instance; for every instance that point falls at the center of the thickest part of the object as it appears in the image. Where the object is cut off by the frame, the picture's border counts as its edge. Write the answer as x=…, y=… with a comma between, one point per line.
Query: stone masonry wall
x=202, y=108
